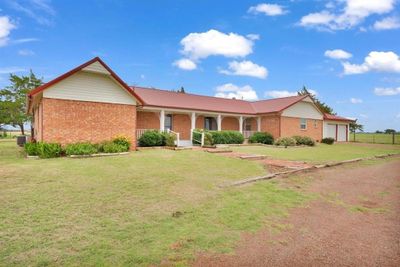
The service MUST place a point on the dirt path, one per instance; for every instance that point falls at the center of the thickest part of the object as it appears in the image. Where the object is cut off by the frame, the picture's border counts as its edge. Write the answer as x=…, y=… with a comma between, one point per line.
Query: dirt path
x=354, y=222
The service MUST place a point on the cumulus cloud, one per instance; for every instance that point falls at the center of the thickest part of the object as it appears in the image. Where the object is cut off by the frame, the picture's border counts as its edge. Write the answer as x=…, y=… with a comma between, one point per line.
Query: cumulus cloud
x=246, y=68
x=6, y=26
x=214, y=43
x=230, y=90
x=185, y=64
x=338, y=54
x=388, y=23
x=346, y=14
x=380, y=91
x=375, y=61
x=355, y=100
x=268, y=9
x=285, y=93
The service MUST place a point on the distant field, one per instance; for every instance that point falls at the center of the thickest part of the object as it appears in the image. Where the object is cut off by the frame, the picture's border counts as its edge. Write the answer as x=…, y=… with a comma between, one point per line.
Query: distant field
x=375, y=138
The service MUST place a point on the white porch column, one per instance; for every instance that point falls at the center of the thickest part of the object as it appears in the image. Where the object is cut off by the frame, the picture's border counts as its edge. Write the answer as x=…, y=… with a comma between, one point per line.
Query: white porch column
x=192, y=124
x=219, y=122
x=162, y=120
x=258, y=124
x=241, y=124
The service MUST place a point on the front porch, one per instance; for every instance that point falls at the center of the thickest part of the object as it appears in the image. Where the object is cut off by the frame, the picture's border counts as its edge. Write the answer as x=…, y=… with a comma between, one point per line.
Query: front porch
x=183, y=123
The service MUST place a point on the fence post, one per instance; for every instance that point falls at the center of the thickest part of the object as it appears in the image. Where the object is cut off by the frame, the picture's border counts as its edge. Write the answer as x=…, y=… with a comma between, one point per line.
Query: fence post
x=202, y=139
x=373, y=138
x=393, y=138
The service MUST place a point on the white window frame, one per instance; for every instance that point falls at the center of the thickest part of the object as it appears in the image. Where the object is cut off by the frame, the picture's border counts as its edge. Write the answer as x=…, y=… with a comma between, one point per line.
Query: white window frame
x=303, y=123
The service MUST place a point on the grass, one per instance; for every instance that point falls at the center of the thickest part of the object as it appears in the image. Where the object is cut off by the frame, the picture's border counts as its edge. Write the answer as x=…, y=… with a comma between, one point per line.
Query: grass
x=375, y=138
x=321, y=153
x=138, y=209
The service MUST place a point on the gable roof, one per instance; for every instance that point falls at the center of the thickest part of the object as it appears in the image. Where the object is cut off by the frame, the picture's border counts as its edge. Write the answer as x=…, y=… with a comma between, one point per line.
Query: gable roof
x=330, y=117
x=98, y=64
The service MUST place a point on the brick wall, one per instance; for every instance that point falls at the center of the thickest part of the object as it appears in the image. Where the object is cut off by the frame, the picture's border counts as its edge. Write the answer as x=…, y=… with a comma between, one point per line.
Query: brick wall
x=291, y=126
x=230, y=123
x=252, y=122
x=271, y=124
x=200, y=122
x=181, y=124
x=69, y=121
x=148, y=120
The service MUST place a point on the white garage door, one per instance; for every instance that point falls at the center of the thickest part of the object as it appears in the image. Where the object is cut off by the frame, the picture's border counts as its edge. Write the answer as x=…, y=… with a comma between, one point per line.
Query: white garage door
x=331, y=131
x=342, y=133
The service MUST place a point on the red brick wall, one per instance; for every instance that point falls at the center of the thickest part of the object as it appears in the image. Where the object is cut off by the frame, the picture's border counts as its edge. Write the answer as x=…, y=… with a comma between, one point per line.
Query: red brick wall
x=148, y=120
x=271, y=124
x=230, y=123
x=200, y=122
x=181, y=124
x=69, y=121
x=291, y=126
x=252, y=122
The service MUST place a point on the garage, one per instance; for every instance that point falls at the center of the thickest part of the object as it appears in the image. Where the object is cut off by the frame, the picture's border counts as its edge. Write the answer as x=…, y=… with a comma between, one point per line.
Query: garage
x=336, y=127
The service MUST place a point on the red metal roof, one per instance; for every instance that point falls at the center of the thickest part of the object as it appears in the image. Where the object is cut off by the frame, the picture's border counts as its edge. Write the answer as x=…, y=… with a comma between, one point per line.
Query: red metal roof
x=331, y=117
x=169, y=99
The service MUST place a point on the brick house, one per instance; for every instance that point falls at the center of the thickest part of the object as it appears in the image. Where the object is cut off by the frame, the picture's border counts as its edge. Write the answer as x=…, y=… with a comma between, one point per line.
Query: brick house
x=91, y=103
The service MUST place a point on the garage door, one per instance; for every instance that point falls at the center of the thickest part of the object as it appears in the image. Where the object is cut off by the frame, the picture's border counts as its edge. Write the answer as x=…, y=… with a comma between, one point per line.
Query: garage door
x=331, y=131
x=342, y=133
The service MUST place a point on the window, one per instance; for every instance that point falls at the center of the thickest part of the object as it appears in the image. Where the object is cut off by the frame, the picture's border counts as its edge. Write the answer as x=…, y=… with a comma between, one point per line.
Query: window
x=303, y=124
x=168, y=122
x=210, y=124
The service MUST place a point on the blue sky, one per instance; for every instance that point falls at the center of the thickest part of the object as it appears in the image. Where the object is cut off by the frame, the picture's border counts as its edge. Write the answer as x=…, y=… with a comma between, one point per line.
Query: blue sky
x=347, y=51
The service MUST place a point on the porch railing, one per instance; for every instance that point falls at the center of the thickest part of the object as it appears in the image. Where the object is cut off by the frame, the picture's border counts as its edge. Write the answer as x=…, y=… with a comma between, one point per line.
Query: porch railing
x=247, y=134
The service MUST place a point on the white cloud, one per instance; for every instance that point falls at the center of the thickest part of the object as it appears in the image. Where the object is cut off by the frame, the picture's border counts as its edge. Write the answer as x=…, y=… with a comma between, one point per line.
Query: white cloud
x=24, y=40
x=253, y=36
x=39, y=10
x=6, y=26
x=230, y=90
x=8, y=70
x=246, y=68
x=26, y=52
x=355, y=100
x=338, y=54
x=268, y=9
x=364, y=116
x=185, y=64
x=346, y=14
x=375, y=61
x=214, y=43
x=388, y=23
x=380, y=91
x=278, y=94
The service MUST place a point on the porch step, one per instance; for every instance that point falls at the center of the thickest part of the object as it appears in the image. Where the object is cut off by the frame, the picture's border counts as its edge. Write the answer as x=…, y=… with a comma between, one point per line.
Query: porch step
x=217, y=150
x=185, y=143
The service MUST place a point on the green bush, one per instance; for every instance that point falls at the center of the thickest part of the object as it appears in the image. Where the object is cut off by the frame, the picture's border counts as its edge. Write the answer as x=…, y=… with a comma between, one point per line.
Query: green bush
x=208, y=139
x=169, y=139
x=48, y=150
x=31, y=149
x=122, y=141
x=196, y=139
x=285, y=141
x=304, y=140
x=152, y=138
x=262, y=138
x=227, y=137
x=81, y=149
x=111, y=147
x=328, y=140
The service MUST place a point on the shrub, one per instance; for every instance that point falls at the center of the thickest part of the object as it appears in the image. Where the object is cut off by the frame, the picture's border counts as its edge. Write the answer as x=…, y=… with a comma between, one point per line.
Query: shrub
x=31, y=149
x=111, y=147
x=285, y=141
x=328, y=140
x=122, y=141
x=49, y=150
x=304, y=140
x=227, y=137
x=208, y=139
x=262, y=138
x=81, y=149
x=196, y=138
x=168, y=139
x=152, y=138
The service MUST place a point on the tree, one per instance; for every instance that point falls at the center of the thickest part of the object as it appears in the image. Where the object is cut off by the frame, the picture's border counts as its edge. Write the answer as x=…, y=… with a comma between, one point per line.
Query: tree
x=181, y=90
x=13, y=100
x=378, y=132
x=390, y=131
x=354, y=126
x=321, y=105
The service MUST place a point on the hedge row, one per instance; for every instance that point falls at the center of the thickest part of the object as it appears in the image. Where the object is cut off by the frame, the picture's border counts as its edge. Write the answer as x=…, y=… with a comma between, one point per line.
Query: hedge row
x=295, y=141
x=156, y=138
x=53, y=150
x=217, y=137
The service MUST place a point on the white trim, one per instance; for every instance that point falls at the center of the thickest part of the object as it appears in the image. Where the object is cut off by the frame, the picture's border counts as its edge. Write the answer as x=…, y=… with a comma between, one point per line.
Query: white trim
x=204, y=113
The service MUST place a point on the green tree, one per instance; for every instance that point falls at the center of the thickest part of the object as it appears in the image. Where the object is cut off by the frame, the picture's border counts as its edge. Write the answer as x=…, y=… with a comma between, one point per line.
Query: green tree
x=390, y=131
x=181, y=90
x=321, y=105
x=353, y=127
x=13, y=100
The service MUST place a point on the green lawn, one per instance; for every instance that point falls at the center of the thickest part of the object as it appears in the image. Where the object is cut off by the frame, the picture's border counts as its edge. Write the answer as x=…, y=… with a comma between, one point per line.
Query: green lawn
x=321, y=153
x=120, y=210
x=375, y=138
